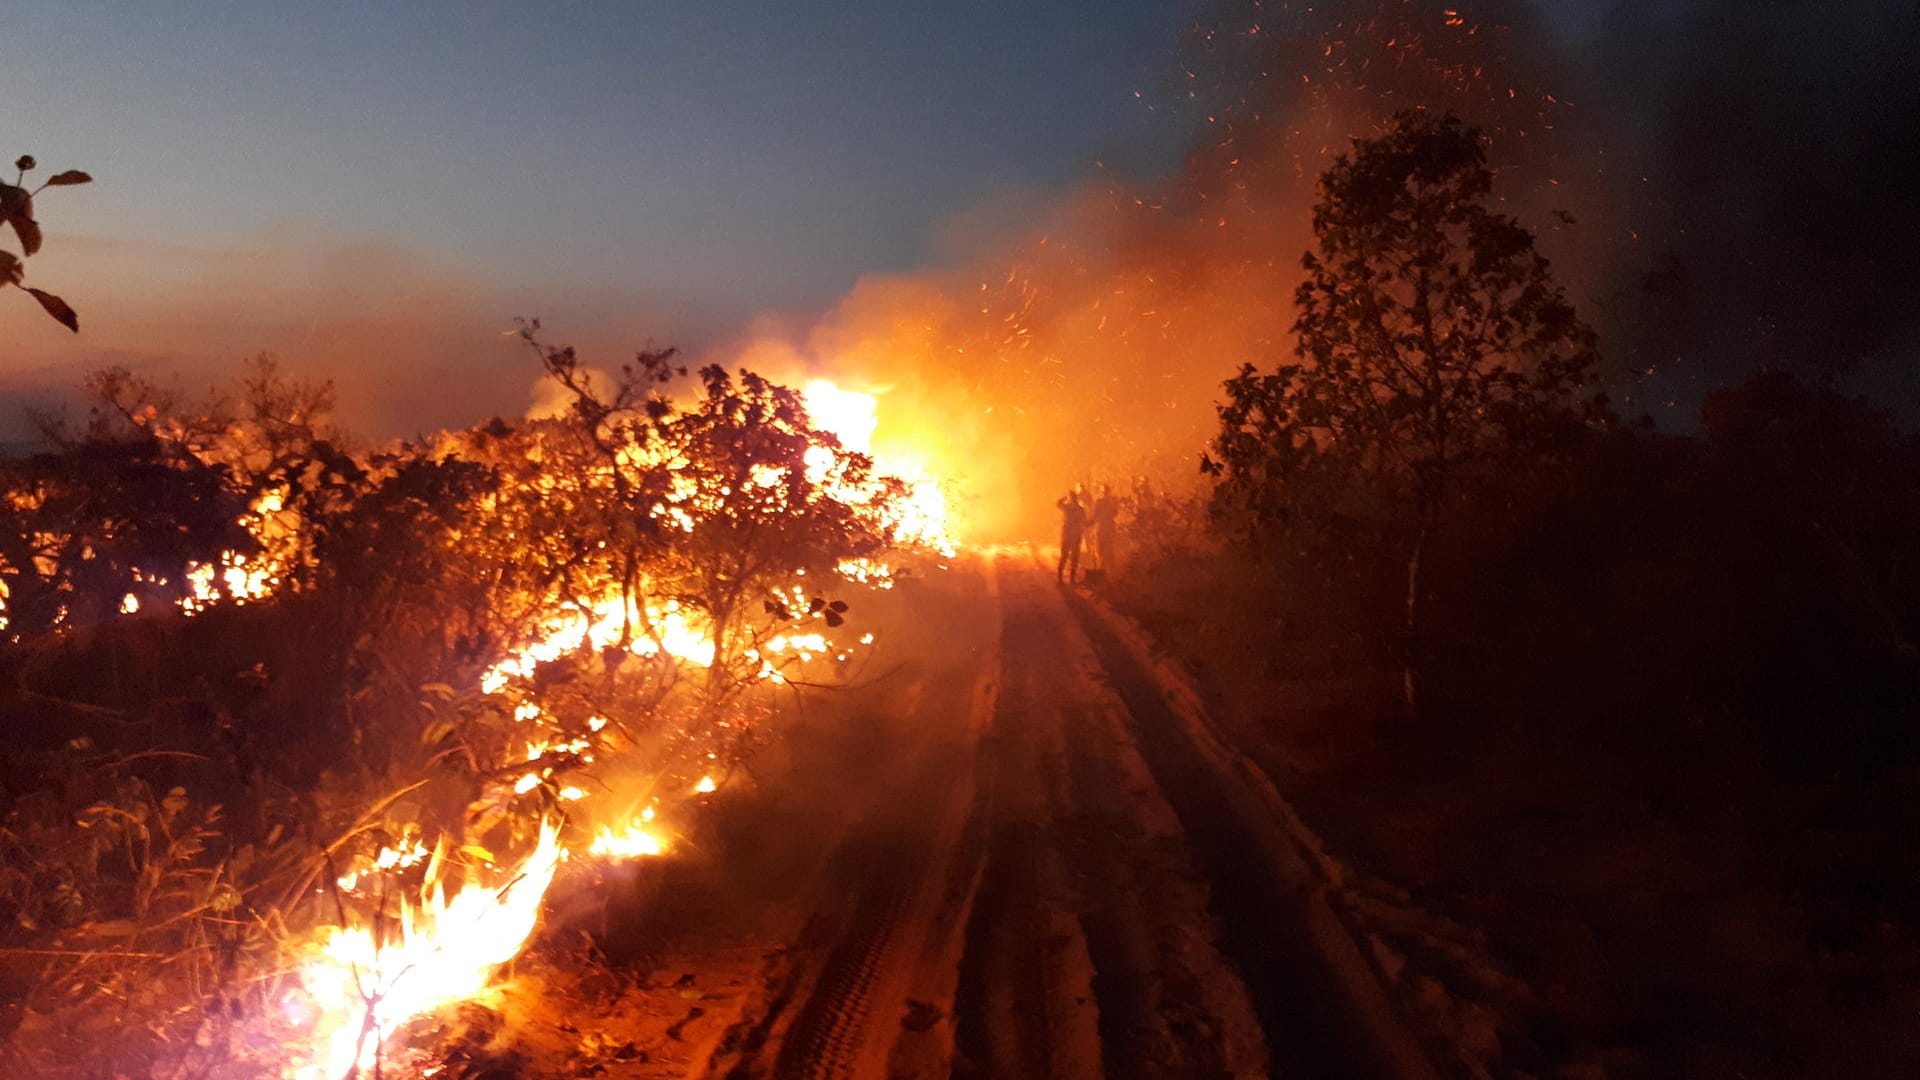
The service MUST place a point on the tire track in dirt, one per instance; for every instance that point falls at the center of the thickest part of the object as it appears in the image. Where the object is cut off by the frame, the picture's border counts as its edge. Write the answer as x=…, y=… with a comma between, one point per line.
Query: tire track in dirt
x=1025, y=1000
x=1090, y=952
x=1079, y=891
x=838, y=1003
x=826, y=1038
x=831, y=997
x=1273, y=924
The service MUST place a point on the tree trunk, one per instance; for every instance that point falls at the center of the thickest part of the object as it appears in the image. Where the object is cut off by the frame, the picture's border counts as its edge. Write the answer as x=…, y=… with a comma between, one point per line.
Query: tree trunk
x=1410, y=643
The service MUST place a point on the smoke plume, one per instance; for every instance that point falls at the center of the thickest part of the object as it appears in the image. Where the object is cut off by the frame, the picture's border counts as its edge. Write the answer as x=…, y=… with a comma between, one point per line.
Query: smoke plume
x=1711, y=180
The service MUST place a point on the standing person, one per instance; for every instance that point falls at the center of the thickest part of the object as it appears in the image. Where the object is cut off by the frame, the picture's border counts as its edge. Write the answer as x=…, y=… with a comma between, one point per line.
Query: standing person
x=1106, y=522
x=1073, y=526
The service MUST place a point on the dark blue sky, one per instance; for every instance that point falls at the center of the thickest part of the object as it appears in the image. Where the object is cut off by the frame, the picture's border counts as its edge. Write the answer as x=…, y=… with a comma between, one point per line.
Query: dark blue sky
x=758, y=153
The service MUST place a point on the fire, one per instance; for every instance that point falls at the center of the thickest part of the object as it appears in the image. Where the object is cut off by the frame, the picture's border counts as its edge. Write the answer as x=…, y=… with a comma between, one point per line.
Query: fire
x=369, y=980
x=636, y=840
x=853, y=417
x=455, y=922
x=240, y=578
x=850, y=415
x=667, y=628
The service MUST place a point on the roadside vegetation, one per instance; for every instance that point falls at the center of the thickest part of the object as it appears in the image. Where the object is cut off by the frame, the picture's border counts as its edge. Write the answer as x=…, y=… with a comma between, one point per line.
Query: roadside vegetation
x=1648, y=813
x=265, y=688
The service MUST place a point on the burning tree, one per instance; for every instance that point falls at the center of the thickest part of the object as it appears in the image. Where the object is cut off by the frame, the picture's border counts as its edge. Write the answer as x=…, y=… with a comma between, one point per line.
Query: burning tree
x=655, y=562
x=647, y=565
x=124, y=509
x=1433, y=343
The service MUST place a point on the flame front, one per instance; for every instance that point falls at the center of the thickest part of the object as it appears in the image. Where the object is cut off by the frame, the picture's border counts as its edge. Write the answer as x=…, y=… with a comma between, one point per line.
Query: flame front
x=414, y=938
x=853, y=417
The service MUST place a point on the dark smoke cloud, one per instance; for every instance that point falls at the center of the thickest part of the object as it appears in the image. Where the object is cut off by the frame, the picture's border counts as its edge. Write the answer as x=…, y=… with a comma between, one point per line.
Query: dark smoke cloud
x=1725, y=185
x=1780, y=210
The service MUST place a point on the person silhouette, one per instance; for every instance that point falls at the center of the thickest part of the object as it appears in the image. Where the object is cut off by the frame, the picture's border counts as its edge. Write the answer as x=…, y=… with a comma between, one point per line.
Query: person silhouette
x=1106, y=523
x=1073, y=527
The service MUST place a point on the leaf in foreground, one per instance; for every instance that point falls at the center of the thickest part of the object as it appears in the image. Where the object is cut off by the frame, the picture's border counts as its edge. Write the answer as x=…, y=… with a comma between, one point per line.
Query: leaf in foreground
x=57, y=308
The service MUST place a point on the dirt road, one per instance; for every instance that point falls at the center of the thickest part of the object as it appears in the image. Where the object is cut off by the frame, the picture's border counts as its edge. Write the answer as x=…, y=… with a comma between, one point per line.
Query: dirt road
x=1032, y=865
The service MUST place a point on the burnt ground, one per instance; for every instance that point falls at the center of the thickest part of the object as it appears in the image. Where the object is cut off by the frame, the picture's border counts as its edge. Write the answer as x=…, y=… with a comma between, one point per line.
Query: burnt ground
x=1002, y=854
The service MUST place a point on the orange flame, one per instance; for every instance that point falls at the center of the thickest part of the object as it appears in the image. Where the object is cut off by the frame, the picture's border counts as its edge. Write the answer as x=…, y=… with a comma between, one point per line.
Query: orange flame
x=365, y=984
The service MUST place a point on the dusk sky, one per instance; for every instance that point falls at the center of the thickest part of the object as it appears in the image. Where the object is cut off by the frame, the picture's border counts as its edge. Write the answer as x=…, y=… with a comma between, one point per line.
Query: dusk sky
x=392, y=183
x=731, y=152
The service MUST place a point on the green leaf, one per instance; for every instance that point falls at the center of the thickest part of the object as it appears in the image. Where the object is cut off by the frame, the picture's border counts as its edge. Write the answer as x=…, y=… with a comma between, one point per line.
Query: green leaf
x=58, y=308
x=69, y=178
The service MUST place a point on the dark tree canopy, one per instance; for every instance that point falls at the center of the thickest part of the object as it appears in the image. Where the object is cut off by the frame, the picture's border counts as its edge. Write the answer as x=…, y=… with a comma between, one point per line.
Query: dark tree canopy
x=1432, y=336
x=1434, y=347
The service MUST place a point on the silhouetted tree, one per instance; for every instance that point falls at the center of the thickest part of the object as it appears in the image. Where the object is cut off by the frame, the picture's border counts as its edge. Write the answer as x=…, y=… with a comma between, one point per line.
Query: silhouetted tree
x=1433, y=341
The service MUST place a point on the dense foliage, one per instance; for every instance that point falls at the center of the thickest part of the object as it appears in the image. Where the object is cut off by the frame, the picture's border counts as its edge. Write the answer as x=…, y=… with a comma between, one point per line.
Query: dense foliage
x=245, y=655
x=1434, y=348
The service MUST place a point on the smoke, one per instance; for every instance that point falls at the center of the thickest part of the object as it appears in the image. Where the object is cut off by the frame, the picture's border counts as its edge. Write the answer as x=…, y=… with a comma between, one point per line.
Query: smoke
x=1089, y=345
x=1719, y=188
x=1722, y=186
x=1777, y=153
x=412, y=343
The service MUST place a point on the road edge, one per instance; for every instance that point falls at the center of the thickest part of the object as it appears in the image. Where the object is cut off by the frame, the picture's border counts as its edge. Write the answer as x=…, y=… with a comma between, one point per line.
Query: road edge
x=1343, y=944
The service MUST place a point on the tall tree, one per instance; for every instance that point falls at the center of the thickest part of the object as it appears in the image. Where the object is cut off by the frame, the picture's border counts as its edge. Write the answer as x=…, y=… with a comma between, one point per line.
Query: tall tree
x=1433, y=343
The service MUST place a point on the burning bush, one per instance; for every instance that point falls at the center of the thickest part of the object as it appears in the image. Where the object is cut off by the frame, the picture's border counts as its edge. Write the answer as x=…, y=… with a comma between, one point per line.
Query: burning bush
x=455, y=658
